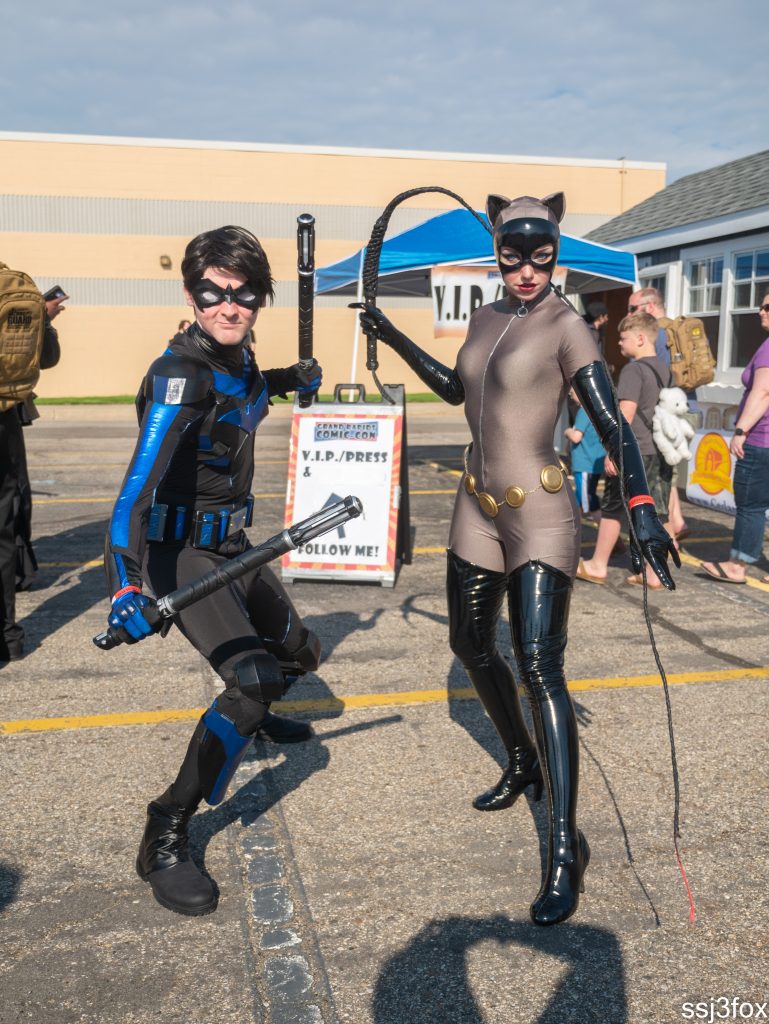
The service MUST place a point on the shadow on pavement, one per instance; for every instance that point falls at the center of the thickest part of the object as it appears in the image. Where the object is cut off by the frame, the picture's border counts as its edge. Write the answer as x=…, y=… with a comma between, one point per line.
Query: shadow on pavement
x=337, y=626
x=10, y=880
x=266, y=789
x=66, y=603
x=428, y=983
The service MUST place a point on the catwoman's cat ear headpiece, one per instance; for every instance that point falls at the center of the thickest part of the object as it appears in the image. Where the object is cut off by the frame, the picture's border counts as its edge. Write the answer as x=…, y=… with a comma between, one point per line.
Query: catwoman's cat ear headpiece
x=494, y=206
x=556, y=202
x=526, y=206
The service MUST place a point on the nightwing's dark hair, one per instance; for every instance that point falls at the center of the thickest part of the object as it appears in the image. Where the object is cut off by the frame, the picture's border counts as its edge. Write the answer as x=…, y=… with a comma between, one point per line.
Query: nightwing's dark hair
x=230, y=248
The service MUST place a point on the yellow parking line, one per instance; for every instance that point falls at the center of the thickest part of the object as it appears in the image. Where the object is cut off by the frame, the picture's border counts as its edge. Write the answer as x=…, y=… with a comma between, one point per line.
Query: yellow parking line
x=369, y=700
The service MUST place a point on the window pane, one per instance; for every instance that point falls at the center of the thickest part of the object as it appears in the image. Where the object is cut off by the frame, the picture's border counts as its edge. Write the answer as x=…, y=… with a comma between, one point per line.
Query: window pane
x=742, y=296
x=714, y=296
x=743, y=266
x=760, y=291
x=696, y=300
x=697, y=273
x=659, y=283
x=762, y=263
x=717, y=270
x=747, y=335
x=710, y=322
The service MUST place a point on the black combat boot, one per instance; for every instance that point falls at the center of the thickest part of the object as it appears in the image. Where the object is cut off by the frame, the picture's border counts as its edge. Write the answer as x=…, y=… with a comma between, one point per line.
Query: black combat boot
x=164, y=861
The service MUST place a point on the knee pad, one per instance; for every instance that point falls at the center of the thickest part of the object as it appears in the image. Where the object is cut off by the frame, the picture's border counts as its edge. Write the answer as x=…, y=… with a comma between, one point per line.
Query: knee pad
x=260, y=677
x=220, y=752
x=232, y=720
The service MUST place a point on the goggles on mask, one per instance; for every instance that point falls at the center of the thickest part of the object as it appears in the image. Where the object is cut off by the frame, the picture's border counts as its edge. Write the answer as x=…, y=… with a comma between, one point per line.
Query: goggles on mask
x=525, y=235
x=207, y=294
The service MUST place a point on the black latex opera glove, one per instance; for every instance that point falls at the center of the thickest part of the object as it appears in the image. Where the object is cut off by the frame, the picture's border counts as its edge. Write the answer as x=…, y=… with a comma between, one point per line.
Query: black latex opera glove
x=444, y=382
x=596, y=396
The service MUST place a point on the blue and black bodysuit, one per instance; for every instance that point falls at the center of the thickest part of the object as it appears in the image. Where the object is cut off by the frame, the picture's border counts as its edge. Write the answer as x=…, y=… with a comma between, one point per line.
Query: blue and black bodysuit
x=181, y=511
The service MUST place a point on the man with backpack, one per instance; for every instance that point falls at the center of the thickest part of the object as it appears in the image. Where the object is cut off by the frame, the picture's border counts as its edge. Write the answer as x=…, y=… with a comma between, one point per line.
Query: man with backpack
x=25, y=328
x=682, y=345
x=638, y=388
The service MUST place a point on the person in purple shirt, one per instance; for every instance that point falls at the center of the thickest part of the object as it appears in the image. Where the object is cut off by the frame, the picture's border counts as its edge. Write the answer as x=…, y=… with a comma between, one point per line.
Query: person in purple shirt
x=750, y=445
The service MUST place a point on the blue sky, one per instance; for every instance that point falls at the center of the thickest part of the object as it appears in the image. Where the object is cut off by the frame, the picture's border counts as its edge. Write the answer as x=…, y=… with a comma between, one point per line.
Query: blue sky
x=682, y=82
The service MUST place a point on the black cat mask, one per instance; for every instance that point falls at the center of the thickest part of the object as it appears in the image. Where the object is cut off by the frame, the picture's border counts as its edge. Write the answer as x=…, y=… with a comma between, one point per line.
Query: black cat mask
x=525, y=225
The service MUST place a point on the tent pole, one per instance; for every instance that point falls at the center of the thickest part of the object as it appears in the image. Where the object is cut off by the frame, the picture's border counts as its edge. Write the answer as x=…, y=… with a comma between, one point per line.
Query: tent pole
x=356, y=335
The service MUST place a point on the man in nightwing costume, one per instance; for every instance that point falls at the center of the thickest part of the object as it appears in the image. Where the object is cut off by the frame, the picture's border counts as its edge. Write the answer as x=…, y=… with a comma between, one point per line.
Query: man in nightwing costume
x=182, y=509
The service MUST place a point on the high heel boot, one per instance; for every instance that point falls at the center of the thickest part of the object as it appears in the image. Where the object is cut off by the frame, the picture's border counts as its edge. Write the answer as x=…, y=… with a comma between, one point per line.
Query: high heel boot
x=523, y=770
x=475, y=598
x=539, y=609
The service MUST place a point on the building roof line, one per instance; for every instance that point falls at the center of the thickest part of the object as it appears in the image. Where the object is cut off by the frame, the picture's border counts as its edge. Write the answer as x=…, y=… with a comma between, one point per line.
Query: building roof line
x=268, y=147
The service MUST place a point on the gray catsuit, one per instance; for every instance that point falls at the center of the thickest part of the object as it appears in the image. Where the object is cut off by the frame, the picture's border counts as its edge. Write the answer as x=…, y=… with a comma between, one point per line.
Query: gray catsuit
x=516, y=372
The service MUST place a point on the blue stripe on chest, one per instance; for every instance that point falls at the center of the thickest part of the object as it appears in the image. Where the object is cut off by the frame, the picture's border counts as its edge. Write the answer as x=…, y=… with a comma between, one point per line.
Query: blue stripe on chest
x=246, y=411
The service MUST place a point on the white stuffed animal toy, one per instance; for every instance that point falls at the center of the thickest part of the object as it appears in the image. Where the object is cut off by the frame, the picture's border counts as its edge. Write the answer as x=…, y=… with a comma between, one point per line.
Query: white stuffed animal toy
x=671, y=432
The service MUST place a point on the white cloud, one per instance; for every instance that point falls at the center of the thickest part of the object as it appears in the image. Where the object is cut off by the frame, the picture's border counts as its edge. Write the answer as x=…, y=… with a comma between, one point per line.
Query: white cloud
x=685, y=84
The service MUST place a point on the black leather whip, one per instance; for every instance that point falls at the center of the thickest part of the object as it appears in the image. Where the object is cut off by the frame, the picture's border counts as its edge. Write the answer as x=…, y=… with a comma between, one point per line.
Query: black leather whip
x=371, y=264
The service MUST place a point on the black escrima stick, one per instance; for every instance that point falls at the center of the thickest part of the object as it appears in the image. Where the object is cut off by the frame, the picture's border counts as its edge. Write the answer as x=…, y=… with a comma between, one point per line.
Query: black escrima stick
x=305, y=245
x=292, y=537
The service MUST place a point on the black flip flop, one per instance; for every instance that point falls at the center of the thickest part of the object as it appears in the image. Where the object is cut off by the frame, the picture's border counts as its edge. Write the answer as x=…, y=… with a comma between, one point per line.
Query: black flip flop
x=719, y=575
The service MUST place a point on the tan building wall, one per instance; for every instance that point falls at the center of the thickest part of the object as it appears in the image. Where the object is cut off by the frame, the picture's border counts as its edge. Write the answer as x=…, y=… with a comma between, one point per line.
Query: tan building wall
x=96, y=214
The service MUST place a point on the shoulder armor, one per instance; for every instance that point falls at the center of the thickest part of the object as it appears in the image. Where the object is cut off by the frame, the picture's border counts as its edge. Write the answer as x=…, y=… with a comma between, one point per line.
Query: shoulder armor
x=177, y=380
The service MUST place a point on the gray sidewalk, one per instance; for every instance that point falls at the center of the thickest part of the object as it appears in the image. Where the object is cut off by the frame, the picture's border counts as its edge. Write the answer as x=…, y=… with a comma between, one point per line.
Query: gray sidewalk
x=357, y=883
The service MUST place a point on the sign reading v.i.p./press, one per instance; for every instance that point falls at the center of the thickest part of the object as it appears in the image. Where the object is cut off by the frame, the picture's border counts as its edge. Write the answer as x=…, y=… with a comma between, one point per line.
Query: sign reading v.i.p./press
x=459, y=290
x=339, y=449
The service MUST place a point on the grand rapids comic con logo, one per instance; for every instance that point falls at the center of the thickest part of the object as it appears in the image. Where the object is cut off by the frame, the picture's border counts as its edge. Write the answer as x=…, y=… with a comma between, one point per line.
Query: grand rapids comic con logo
x=367, y=431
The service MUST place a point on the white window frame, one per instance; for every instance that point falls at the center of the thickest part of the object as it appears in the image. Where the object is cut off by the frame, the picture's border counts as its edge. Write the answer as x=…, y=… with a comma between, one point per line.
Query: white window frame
x=727, y=250
x=671, y=271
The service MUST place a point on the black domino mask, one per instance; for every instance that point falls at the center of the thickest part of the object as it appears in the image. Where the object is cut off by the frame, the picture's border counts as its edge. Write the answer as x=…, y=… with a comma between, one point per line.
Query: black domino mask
x=207, y=294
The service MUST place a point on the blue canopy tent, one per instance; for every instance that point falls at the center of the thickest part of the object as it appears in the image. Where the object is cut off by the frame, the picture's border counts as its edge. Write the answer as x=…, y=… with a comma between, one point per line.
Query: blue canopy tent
x=456, y=237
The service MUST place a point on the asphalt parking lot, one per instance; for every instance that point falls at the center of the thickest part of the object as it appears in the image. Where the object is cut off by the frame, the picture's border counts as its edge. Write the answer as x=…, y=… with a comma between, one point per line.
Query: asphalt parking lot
x=357, y=883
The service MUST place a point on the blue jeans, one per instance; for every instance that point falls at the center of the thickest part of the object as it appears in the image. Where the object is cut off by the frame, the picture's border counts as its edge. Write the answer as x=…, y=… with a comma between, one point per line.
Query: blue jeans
x=751, y=496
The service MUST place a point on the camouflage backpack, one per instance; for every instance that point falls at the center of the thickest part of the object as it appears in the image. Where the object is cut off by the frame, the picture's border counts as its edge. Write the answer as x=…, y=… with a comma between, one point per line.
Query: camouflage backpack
x=22, y=323
x=691, y=360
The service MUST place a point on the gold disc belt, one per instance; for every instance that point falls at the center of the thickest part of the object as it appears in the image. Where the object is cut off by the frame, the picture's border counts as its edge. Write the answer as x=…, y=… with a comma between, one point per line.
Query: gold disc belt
x=550, y=480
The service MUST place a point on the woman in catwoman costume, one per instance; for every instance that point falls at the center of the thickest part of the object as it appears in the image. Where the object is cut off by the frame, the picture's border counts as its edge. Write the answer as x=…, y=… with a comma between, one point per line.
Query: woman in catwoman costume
x=516, y=527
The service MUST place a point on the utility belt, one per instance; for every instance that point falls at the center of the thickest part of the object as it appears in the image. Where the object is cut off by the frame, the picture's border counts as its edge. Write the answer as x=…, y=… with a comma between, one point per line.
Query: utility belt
x=204, y=529
x=550, y=480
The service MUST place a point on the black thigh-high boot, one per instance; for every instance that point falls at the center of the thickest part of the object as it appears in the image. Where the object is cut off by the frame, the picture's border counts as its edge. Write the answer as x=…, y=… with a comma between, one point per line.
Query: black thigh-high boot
x=164, y=859
x=539, y=609
x=475, y=597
